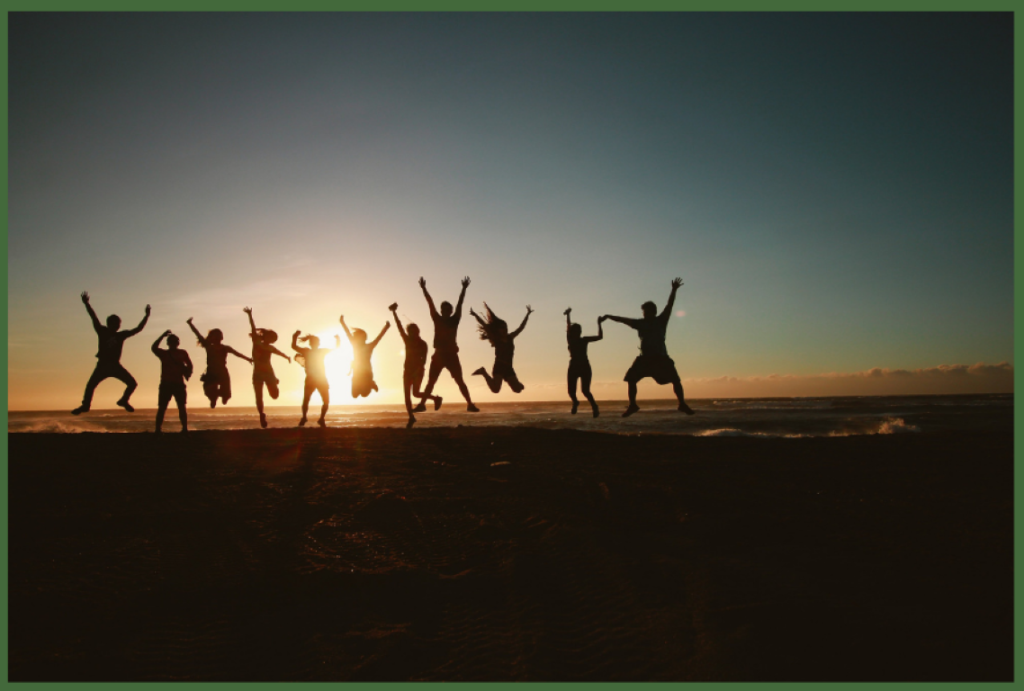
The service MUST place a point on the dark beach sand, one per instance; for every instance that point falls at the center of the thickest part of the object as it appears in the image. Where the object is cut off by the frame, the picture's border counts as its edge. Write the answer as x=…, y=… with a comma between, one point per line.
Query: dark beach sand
x=509, y=554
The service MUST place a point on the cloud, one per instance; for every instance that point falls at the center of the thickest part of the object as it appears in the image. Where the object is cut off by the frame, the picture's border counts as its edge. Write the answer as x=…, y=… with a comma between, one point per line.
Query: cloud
x=943, y=379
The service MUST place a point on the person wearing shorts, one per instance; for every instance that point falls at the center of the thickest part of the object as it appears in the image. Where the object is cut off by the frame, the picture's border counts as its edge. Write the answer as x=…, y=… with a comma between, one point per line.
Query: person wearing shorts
x=653, y=360
x=446, y=349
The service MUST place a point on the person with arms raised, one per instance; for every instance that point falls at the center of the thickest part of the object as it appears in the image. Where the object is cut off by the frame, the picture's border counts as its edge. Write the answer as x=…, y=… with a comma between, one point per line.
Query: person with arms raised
x=446, y=349
x=653, y=360
x=109, y=357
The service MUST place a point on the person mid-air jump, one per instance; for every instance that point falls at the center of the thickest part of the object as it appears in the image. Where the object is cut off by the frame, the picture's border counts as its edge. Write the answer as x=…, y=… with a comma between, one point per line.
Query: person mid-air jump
x=446, y=350
x=109, y=357
x=653, y=360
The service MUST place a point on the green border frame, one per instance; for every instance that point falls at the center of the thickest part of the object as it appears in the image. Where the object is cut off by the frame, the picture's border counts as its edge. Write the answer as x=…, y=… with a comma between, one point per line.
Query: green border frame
x=523, y=5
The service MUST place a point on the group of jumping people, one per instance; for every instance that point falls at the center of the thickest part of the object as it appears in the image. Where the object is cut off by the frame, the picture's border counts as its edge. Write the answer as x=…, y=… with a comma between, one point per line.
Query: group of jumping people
x=176, y=366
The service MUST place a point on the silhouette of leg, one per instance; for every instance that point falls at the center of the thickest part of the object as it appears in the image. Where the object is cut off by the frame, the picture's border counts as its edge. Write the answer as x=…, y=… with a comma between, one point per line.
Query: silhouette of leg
x=677, y=386
x=306, y=393
x=436, y=365
x=121, y=374
x=512, y=379
x=325, y=396
x=585, y=385
x=163, y=398
x=493, y=382
x=633, y=407
x=573, y=378
x=455, y=368
x=417, y=380
x=179, y=399
x=97, y=376
x=407, y=387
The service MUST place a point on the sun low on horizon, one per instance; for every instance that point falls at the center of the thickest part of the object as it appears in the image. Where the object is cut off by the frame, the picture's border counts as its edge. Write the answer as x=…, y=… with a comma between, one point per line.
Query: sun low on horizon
x=835, y=191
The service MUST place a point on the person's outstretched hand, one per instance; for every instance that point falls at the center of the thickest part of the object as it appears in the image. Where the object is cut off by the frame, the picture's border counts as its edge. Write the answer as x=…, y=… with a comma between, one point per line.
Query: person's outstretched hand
x=602, y=318
x=423, y=282
x=297, y=333
x=247, y=310
x=85, y=297
x=465, y=282
x=189, y=321
x=529, y=310
x=393, y=307
x=337, y=340
x=341, y=319
x=676, y=282
x=165, y=334
x=147, y=310
x=568, y=310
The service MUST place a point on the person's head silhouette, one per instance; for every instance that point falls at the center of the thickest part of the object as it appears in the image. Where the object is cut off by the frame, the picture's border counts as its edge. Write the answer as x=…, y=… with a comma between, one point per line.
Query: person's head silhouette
x=113, y=322
x=173, y=342
x=413, y=330
x=575, y=331
x=215, y=336
x=359, y=336
x=446, y=309
x=650, y=310
x=267, y=336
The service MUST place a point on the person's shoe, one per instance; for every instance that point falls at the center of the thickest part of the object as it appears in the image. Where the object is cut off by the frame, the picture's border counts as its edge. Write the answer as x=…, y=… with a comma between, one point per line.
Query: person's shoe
x=159, y=431
x=126, y=405
x=263, y=421
x=596, y=411
x=184, y=430
x=575, y=407
x=322, y=422
x=302, y=422
x=683, y=408
x=481, y=370
x=422, y=407
x=630, y=410
x=472, y=408
x=412, y=421
x=80, y=409
x=437, y=403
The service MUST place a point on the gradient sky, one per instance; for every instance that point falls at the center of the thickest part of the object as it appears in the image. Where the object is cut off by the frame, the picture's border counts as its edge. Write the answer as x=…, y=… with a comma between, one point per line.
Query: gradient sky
x=835, y=190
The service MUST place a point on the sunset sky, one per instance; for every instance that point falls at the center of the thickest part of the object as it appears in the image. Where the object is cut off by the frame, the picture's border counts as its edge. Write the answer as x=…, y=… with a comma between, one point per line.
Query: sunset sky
x=835, y=190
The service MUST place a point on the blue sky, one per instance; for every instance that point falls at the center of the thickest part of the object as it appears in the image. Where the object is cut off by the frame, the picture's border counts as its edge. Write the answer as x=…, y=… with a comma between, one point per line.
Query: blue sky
x=836, y=190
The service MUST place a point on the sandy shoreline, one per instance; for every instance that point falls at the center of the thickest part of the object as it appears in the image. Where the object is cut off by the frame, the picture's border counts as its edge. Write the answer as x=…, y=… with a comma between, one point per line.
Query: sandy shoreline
x=509, y=554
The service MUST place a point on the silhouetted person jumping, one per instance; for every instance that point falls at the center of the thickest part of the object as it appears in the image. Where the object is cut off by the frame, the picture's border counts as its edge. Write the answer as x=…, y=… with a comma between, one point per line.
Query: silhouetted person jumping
x=312, y=358
x=109, y=357
x=362, y=369
x=494, y=330
x=415, y=364
x=175, y=368
x=579, y=363
x=653, y=360
x=216, y=380
x=446, y=350
x=263, y=371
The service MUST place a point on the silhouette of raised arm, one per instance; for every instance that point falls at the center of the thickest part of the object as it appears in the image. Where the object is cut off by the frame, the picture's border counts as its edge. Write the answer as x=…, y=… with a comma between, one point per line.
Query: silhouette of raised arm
x=430, y=300
x=92, y=314
x=462, y=296
x=374, y=342
x=156, y=343
x=142, y=323
x=568, y=319
x=600, y=331
x=295, y=342
x=252, y=324
x=345, y=326
x=477, y=317
x=202, y=341
x=665, y=313
x=529, y=311
x=337, y=342
x=398, y=322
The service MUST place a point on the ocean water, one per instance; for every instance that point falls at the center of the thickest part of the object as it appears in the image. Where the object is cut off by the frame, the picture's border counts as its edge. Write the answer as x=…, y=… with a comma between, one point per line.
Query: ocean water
x=752, y=417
